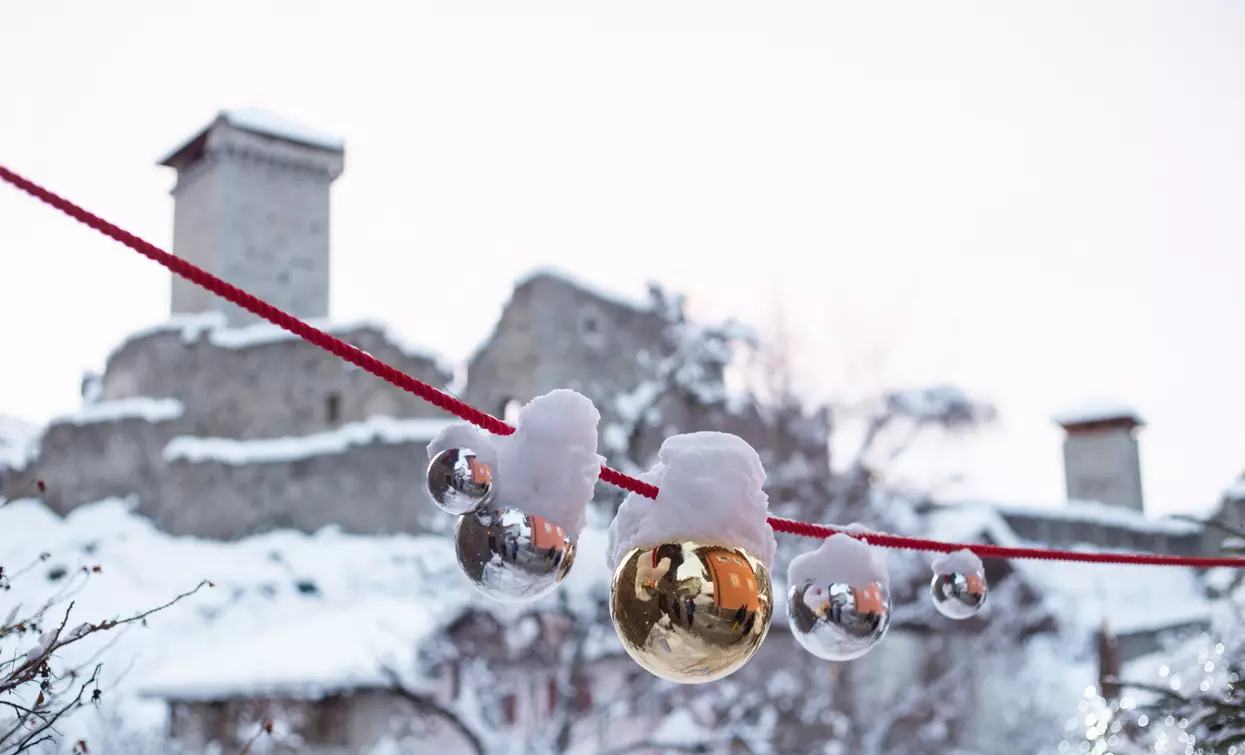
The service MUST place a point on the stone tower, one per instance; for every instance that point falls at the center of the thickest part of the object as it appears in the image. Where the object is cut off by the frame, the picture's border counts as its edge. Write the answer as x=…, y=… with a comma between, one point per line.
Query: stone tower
x=1100, y=455
x=251, y=205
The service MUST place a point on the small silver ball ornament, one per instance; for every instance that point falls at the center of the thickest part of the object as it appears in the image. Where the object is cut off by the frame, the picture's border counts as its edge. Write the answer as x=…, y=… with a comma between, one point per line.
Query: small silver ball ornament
x=838, y=622
x=458, y=481
x=959, y=595
x=512, y=556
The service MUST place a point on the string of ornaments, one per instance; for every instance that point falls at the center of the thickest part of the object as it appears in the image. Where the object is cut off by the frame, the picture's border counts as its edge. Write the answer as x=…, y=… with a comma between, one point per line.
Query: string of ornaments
x=691, y=597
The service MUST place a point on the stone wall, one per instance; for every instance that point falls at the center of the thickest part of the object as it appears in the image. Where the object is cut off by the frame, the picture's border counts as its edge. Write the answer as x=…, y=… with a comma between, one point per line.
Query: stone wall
x=236, y=384
x=82, y=463
x=255, y=211
x=376, y=488
x=558, y=333
x=555, y=333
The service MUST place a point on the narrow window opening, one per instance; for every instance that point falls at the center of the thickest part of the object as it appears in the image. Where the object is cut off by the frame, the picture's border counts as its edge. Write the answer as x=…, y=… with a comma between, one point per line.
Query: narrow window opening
x=333, y=408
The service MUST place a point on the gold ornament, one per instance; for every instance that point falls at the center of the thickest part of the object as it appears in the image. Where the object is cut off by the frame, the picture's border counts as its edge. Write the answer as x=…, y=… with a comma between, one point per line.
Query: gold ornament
x=691, y=612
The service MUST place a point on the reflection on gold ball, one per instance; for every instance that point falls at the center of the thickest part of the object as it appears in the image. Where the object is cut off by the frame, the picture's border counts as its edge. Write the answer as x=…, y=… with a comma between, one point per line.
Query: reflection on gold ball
x=691, y=612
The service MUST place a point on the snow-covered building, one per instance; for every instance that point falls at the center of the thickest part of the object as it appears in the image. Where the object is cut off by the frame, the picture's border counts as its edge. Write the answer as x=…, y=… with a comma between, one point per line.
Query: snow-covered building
x=215, y=447
x=222, y=426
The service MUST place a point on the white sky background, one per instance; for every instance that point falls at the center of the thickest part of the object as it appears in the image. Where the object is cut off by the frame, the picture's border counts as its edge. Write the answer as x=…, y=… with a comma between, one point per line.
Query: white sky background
x=1040, y=202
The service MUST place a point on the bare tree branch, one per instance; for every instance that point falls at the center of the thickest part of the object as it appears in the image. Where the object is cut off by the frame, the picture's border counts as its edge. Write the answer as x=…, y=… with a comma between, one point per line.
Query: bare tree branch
x=428, y=704
x=42, y=730
x=700, y=747
x=265, y=727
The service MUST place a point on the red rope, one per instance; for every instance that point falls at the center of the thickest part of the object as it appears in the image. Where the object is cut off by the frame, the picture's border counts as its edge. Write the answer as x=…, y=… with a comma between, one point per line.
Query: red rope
x=365, y=361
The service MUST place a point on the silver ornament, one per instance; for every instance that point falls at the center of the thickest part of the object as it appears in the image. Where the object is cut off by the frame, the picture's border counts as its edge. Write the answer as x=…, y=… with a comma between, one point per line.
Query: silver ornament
x=513, y=556
x=959, y=595
x=458, y=481
x=838, y=622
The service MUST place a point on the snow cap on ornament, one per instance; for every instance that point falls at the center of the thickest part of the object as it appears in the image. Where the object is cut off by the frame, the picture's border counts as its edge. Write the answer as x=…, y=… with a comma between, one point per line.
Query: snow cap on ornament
x=710, y=491
x=691, y=598
x=547, y=467
x=959, y=585
x=522, y=498
x=550, y=465
x=838, y=597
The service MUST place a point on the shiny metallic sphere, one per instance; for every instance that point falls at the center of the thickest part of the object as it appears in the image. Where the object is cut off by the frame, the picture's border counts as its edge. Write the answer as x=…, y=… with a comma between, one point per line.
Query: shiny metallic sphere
x=458, y=482
x=513, y=556
x=691, y=612
x=959, y=595
x=838, y=622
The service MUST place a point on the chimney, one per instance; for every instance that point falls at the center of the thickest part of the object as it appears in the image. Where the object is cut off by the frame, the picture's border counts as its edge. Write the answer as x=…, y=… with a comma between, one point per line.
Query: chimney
x=1101, y=458
x=251, y=205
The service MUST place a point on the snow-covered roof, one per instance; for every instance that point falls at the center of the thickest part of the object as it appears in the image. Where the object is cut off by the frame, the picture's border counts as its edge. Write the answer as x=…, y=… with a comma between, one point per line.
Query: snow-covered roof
x=271, y=124
x=256, y=122
x=193, y=327
x=1085, y=594
x=589, y=288
x=352, y=644
x=1235, y=491
x=17, y=442
x=292, y=614
x=1131, y=598
x=147, y=409
x=271, y=450
x=1104, y=514
x=1096, y=410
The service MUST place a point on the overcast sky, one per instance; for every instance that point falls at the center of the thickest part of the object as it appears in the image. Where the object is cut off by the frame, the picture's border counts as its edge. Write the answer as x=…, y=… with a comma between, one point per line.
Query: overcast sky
x=1041, y=202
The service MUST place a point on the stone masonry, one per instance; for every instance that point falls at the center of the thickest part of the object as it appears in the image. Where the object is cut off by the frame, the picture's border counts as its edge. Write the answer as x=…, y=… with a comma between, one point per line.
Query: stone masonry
x=252, y=206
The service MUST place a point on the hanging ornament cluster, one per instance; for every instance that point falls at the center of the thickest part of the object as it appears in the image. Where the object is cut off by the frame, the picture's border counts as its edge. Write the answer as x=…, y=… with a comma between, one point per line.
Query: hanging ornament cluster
x=521, y=499
x=691, y=598
x=838, y=598
x=959, y=585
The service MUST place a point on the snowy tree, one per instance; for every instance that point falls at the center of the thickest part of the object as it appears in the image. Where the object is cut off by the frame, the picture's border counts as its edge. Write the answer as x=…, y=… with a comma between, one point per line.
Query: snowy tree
x=1197, y=702
x=572, y=641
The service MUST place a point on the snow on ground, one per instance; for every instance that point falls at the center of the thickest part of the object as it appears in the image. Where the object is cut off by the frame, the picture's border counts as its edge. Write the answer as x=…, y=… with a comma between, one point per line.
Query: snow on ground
x=270, y=450
x=290, y=612
x=193, y=327
x=147, y=409
x=18, y=440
